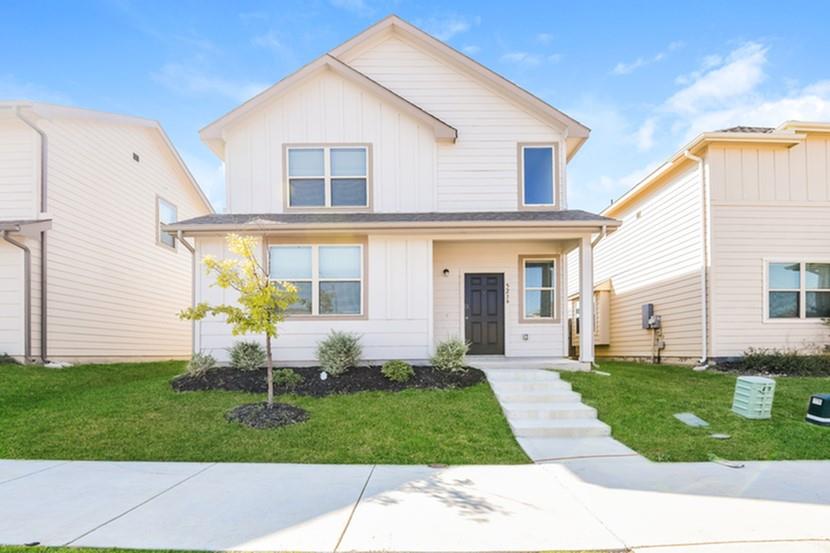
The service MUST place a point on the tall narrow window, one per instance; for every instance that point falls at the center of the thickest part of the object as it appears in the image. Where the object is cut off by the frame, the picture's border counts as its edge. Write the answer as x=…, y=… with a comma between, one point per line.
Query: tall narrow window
x=539, y=281
x=329, y=278
x=798, y=290
x=328, y=176
x=538, y=175
x=166, y=214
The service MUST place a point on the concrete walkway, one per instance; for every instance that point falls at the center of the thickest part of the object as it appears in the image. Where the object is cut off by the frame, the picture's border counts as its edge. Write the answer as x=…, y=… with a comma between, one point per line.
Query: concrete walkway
x=595, y=504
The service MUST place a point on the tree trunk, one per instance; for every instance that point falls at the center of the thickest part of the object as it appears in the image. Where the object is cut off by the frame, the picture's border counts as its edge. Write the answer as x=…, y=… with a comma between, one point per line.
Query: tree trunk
x=270, y=372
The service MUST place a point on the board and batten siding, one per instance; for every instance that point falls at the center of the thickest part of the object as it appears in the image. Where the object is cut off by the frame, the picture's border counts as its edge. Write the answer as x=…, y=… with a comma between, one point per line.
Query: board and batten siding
x=19, y=170
x=655, y=257
x=479, y=172
x=767, y=203
x=113, y=291
x=460, y=257
x=327, y=109
x=398, y=285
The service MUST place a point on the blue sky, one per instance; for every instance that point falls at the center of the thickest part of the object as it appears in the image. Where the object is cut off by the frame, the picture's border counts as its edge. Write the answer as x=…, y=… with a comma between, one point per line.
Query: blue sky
x=645, y=76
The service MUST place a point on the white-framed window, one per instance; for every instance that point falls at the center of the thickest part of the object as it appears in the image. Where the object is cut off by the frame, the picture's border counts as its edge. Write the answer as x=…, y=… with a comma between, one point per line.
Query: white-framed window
x=328, y=277
x=797, y=290
x=539, y=283
x=538, y=175
x=166, y=214
x=328, y=176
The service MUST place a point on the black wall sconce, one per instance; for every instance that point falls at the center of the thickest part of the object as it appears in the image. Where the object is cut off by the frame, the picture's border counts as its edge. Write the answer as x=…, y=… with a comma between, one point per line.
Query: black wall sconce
x=446, y=272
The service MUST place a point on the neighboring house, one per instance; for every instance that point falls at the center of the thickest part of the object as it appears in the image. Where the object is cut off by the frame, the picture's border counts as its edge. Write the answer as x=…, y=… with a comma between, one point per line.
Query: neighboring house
x=85, y=272
x=411, y=195
x=730, y=242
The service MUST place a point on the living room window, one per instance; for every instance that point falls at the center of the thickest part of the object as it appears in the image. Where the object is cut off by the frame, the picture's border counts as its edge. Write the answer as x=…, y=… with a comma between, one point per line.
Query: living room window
x=538, y=289
x=328, y=176
x=329, y=278
x=798, y=290
x=166, y=214
x=537, y=175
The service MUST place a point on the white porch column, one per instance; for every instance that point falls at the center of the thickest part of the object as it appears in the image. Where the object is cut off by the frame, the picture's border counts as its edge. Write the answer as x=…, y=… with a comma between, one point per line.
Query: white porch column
x=586, y=300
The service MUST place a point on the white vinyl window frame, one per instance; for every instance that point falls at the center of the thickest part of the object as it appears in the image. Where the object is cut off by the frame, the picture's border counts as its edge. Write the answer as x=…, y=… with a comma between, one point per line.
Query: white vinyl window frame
x=326, y=176
x=160, y=235
x=554, y=147
x=552, y=289
x=802, y=291
x=315, y=279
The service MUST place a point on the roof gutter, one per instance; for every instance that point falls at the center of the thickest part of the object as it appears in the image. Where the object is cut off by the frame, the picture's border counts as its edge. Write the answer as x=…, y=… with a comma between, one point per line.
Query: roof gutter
x=44, y=187
x=703, y=362
x=27, y=294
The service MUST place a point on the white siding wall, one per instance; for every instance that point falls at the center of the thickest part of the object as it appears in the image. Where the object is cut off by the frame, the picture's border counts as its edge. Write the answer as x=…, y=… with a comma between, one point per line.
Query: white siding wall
x=11, y=299
x=478, y=172
x=655, y=258
x=114, y=292
x=767, y=203
x=19, y=170
x=329, y=109
x=491, y=257
x=397, y=326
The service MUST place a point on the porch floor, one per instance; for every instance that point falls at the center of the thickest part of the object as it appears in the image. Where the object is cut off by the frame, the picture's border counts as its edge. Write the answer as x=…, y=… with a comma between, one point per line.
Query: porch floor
x=491, y=362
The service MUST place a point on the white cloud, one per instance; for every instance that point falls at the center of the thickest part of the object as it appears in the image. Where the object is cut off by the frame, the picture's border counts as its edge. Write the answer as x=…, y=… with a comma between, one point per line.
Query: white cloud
x=272, y=41
x=644, y=136
x=626, y=68
x=522, y=59
x=738, y=75
x=357, y=7
x=544, y=38
x=210, y=175
x=471, y=49
x=445, y=28
x=12, y=88
x=555, y=58
x=187, y=80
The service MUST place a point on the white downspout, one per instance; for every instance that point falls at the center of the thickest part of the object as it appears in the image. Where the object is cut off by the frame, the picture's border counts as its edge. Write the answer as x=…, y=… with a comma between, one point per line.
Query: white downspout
x=703, y=363
x=180, y=237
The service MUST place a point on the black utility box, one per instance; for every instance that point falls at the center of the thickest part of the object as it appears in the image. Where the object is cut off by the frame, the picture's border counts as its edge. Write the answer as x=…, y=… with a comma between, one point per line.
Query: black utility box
x=818, y=412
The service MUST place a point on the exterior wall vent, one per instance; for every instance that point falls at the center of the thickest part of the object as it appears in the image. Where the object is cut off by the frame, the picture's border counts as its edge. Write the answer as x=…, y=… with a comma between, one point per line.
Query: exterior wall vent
x=753, y=397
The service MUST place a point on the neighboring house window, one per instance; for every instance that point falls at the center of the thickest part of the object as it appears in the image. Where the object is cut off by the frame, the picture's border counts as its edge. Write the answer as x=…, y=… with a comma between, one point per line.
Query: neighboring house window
x=538, y=175
x=328, y=176
x=328, y=278
x=166, y=214
x=798, y=290
x=539, y=294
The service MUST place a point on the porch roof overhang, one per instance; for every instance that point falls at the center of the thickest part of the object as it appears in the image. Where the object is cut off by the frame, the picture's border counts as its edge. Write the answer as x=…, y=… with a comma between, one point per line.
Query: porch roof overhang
x=582, y=221
x=26, y=227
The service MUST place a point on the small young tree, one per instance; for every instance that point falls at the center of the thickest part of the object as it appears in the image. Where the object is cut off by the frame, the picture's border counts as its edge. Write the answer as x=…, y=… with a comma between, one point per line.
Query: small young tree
x=262, y=302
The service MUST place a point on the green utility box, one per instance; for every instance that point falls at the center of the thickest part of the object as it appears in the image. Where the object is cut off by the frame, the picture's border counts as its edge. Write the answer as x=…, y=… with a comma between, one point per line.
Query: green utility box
x=753, y=397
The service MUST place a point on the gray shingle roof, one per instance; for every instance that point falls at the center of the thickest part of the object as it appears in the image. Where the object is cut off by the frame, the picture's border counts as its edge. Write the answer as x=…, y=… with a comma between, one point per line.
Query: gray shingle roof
x=254, y=219
x=744, y=128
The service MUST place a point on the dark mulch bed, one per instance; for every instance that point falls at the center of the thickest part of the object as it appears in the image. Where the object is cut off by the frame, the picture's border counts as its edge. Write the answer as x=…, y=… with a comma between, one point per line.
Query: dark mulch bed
x=358, y=379
x=259, y=415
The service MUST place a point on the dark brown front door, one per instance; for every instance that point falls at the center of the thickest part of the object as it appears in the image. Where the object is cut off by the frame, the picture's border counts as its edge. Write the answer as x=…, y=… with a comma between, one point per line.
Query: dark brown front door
x=484, y=313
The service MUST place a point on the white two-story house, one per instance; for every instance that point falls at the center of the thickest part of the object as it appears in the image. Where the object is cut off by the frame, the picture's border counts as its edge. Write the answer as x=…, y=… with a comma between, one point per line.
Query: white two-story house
x=411, y=195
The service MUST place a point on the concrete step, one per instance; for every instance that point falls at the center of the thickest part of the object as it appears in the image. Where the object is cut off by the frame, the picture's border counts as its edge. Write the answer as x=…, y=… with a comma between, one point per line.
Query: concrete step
x=500, y=375
x=540, y=386
x=564, y=428
x=557, y=396
x=547, y=411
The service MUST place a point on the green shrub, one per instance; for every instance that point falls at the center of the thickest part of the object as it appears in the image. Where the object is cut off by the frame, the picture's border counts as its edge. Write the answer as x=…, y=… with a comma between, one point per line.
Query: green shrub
x=200, y=363
x=6, y=359
x=288, y=379
x=450, y=355
x=397, y=371
x=787, y=362
x=339, y=352
x=247, y=356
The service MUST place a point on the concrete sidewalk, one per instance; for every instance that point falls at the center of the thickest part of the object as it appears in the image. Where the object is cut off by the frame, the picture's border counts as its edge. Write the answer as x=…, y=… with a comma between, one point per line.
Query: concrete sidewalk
x=602, y=503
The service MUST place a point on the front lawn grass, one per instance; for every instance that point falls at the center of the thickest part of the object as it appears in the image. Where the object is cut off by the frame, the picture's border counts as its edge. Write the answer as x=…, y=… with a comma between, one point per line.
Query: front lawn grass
x=129, y=412
x=639, y=402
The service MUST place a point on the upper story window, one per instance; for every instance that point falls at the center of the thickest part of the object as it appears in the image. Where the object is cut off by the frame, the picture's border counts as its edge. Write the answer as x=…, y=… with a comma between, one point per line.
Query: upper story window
x=537, y=175
x=166, y=213
x=798, y=290
x=538, y=289
x=328, y=176
x=329, y=278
